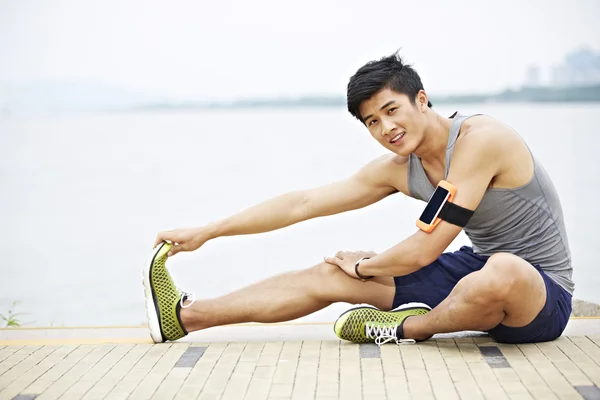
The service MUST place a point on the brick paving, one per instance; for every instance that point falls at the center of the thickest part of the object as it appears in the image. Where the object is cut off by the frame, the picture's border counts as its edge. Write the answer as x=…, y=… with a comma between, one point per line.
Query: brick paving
x=444, y=368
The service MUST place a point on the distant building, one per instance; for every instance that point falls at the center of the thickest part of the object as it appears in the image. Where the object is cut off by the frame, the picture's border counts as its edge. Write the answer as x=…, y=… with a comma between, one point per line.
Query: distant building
x=579, y=68
x=533, y=76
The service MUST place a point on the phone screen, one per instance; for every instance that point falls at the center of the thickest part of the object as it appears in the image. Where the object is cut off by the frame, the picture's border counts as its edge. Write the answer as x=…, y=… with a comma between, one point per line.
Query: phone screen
x=434, y=205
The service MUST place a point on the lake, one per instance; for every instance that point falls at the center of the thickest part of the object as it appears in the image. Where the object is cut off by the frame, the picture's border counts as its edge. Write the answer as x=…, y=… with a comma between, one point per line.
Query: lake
x=82, y=198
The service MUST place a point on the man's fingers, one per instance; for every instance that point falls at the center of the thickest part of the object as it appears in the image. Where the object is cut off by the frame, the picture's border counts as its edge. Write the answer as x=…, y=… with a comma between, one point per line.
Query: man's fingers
x=162, y=237
x=332, y=260
x=177, y=248
x=340, y=255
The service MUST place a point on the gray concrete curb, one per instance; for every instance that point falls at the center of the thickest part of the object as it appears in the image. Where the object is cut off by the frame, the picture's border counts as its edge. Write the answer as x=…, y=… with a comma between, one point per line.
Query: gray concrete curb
x=582, y=308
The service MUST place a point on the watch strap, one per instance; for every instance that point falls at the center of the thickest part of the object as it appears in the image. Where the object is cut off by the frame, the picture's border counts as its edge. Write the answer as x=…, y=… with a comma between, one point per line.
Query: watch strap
x=362, y=277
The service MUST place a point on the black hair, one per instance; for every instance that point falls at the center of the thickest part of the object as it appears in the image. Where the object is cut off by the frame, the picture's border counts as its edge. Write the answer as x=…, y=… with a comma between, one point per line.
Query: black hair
x=387, y=73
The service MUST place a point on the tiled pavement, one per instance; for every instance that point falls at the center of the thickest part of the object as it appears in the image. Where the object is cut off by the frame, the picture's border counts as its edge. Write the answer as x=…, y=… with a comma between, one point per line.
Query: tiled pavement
x=446, y=368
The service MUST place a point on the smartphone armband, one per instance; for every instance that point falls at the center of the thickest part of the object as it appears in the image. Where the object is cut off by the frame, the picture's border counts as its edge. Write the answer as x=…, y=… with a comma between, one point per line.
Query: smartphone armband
x=440, y=207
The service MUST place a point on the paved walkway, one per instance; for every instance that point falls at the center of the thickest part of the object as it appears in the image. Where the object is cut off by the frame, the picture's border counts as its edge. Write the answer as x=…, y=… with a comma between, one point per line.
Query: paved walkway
x=447, y=367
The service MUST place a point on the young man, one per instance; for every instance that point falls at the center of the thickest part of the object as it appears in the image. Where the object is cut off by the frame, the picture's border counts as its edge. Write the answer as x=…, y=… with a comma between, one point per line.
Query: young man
x=514, y=282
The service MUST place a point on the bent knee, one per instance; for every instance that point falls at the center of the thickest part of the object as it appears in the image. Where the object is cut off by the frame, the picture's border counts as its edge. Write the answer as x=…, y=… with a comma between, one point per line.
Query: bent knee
x=484, y=288
x=508, y=268
x=505, y=273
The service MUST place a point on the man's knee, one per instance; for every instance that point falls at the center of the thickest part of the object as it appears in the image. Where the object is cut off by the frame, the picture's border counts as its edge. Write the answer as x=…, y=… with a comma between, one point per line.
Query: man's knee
x=501, y=276
x=509, y=270
x=325, y=271
x=493, y=284
x=524, y=293
x=324, y=278
x=329, y=283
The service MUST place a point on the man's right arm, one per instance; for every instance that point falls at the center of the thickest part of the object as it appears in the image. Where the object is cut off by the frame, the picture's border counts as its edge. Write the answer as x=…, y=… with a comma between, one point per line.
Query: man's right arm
x=367, y=186
x=373, y=182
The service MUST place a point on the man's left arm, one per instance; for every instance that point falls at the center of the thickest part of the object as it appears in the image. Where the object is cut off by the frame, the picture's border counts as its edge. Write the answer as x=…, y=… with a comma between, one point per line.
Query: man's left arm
x=475, y=162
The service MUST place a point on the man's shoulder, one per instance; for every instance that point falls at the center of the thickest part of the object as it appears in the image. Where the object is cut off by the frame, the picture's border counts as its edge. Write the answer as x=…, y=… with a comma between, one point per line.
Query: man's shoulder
x=485, y=133
x=391, y=163
x=393, y=160
x=486, y=140
x=389, y=170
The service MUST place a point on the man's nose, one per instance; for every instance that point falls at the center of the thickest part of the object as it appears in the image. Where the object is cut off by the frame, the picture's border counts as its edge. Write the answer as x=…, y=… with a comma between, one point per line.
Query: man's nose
x=387, y=127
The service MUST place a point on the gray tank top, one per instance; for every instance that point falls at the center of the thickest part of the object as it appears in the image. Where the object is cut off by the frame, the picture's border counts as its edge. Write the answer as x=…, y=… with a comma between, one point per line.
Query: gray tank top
x=526, y=221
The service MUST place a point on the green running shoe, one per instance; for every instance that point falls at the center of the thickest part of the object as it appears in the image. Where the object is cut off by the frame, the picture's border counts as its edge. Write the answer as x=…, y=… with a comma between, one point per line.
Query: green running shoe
x=163, y=300
x=367, y=324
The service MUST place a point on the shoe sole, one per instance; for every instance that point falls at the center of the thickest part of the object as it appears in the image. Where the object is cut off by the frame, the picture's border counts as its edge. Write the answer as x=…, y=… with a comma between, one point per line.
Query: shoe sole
x=152, y=311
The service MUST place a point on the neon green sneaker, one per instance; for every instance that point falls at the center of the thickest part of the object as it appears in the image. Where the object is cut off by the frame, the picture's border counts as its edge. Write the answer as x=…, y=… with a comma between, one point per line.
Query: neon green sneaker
x=367, y=324
x=163, y=300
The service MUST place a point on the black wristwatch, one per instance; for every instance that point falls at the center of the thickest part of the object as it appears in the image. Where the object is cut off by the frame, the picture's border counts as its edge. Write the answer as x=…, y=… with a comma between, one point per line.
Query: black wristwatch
x=362, y=278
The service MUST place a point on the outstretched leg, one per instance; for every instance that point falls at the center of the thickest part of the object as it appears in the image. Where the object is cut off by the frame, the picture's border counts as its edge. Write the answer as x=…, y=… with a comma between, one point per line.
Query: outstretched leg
x=171, y=315
x=288, y=296
x=506, y=290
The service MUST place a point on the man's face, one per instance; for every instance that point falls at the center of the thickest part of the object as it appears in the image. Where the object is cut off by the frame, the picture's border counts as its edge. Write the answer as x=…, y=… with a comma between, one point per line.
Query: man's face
x=393, y=121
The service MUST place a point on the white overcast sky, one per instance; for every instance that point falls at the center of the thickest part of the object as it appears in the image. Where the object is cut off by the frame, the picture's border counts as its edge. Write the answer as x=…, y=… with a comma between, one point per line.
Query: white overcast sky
x=242, y=48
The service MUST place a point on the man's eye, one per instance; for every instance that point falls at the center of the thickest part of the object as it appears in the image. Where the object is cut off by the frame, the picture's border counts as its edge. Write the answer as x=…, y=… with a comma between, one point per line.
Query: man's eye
x=371, y=122
x=391, y=110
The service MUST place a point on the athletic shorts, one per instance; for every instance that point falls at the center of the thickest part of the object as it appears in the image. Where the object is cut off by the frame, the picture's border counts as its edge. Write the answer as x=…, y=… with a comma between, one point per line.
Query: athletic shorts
x=433, y=283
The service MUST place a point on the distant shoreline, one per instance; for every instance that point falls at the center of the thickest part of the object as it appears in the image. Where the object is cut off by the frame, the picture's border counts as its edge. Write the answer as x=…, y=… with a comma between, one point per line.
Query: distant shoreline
x=81, y=99
x=589, y=94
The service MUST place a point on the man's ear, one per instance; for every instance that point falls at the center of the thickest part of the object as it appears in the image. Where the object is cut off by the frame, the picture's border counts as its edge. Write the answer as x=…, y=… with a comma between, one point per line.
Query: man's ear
x=422, y=100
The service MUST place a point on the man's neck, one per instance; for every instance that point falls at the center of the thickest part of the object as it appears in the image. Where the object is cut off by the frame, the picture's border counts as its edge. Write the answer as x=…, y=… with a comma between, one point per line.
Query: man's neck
x=432, y=150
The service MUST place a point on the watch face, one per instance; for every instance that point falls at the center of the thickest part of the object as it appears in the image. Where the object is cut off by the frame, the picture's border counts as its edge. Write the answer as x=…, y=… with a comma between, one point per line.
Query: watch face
x=437, y=200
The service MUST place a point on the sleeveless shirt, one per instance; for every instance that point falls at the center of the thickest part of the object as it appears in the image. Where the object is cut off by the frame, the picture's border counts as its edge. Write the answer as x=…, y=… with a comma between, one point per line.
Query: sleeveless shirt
x=526, y=221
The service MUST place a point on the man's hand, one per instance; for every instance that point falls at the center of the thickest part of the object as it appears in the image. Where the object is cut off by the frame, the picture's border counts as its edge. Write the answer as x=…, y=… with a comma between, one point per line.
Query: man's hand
x=346, y=260
x=184, y=239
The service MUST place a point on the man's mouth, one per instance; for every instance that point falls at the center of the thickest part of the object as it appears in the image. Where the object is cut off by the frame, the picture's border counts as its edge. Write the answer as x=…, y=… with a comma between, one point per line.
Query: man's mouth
x=397, y=137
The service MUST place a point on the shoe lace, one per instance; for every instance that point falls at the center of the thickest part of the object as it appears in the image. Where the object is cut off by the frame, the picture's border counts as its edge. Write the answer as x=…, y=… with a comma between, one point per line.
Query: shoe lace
x=186, y=296
x=384, y=334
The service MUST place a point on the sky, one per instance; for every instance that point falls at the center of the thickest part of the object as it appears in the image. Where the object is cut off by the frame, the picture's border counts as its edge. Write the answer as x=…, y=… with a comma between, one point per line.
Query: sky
x=231, y=49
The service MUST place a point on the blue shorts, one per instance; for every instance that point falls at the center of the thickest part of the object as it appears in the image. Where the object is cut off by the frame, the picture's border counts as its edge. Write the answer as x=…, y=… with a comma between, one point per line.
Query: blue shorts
x=433, y=283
